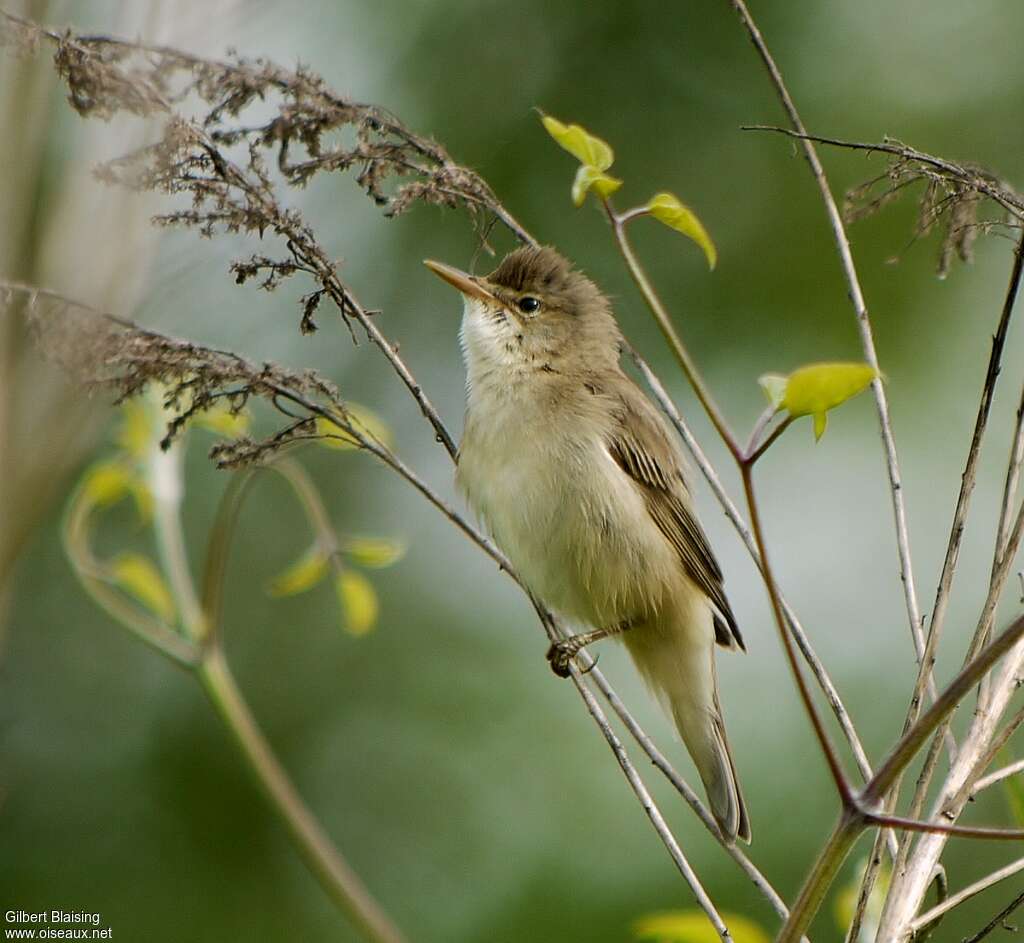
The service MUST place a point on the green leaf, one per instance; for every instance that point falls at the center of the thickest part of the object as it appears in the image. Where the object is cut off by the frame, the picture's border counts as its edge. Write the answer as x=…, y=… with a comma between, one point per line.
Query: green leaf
x=590, y=178
x=374, y=552
x=363, y=419
x=774, y=386
x=666, y=208
x=139, y=577
x=358, y=602
x=815, y=389
x=301, y=576
x=584, y=146
x=693, y=926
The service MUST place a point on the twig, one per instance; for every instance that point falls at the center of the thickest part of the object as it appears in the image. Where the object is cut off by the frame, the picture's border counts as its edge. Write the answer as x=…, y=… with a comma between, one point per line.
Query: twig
x=908, y=888
x=863, y=322
x=736, y=519
x=997, y=920
x=664, y=322
x=969, y=476
x=681, y=786
x=649, y=806
x=967, y=790
x=908, y=745
x=997, y=776
x=955, y=900
x=1012, y=481
x=956, y=535
x=1010, y=201
x=745, y=463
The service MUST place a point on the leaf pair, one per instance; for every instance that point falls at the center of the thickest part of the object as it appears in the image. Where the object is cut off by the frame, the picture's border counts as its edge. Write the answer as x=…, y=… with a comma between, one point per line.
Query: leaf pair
x=815, y=389
x=596, y=157
x=356, y=595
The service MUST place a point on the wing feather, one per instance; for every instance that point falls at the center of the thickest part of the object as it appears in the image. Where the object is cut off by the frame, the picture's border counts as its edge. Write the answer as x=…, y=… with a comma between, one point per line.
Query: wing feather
x=642, y=449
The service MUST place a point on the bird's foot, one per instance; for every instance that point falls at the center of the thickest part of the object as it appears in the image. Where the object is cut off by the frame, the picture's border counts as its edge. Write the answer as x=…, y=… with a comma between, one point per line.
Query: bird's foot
x=561, y=653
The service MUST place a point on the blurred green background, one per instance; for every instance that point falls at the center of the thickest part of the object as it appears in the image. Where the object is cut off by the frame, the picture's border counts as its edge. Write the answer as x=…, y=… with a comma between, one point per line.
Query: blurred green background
x=465, y=782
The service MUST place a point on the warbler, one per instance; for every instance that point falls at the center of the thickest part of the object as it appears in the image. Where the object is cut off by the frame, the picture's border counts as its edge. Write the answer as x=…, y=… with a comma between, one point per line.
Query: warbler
x=582, y=484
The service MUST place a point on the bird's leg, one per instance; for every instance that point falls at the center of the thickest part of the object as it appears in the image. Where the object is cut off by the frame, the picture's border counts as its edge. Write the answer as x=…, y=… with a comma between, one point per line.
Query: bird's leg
x=565, y=650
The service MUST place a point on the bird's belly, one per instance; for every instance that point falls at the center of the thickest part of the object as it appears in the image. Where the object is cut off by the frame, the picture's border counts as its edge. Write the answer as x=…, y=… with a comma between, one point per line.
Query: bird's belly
x=573, y=525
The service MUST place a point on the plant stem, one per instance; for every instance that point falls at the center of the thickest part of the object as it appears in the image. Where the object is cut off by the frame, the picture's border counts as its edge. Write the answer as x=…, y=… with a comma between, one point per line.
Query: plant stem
x=335, y=875
x=832, y=856
x=341, y=883
x=673, y=340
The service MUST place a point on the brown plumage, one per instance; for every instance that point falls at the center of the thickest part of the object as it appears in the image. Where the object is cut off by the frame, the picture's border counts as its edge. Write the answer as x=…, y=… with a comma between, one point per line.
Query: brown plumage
x=582, y=484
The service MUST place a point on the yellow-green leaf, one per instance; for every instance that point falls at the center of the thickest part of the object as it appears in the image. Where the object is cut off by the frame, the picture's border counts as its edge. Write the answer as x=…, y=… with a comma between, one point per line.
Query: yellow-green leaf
x=590, y=178
x=137, y=430
x=815, y=389
x=223, y=421
x=137, y=576
x=301, y=576
x=579, y=142
x=358, y=602
x=774, y=386
x=363, y=419
x=693, y=926
x=108, y=482
x=666, y=208
x=374, y=552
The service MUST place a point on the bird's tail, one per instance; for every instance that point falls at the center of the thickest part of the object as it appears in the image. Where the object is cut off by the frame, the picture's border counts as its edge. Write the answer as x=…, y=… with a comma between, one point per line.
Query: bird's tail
x=680, y=670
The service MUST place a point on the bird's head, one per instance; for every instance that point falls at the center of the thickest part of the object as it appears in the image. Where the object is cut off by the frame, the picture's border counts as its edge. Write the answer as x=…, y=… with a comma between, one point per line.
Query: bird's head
x=534, y=311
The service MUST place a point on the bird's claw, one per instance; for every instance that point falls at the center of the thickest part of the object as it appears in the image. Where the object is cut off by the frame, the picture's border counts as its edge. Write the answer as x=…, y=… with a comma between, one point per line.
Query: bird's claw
x=560, y=654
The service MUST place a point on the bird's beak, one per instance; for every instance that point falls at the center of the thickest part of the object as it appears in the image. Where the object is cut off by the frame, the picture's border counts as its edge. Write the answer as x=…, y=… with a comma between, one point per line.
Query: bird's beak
x=463, y=281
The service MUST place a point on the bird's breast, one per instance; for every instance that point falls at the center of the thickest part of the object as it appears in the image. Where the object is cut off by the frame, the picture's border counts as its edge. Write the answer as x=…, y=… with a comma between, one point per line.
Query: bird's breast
x=538, y=475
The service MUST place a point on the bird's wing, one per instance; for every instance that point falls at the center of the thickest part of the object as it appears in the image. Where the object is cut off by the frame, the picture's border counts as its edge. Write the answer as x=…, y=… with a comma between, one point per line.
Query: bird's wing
x=641, y=447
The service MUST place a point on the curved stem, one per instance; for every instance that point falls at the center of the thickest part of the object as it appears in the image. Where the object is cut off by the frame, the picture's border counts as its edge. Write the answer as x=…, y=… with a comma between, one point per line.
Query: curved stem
x=335, y=875
x=337, y=878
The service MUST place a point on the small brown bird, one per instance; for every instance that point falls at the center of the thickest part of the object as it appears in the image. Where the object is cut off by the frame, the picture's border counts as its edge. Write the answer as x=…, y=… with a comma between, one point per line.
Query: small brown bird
x=581, y=483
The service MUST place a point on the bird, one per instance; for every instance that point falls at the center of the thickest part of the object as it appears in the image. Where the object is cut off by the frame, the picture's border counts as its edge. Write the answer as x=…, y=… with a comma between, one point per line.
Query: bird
x=582, y=484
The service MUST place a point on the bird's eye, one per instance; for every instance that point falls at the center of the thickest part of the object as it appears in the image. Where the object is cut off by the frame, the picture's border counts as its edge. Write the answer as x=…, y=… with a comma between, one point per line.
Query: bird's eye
x=528, y=305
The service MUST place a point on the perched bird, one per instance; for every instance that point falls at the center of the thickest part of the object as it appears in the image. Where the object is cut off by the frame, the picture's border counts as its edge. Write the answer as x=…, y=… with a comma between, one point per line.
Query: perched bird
x=581, y=483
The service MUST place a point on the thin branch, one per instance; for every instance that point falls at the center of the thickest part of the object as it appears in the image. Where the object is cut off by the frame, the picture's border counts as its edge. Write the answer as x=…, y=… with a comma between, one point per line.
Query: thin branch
x=647, y=802
x=908, y=745
x=863, y=322
x=824, y=741
x=736, y=519
x=1012, y=481
x=681, y=786
x=955, y=900
x=997, y=776
x=867, y=886
x=997, y=920
x=1010, y=201
x=995, y=745
x=967, y=483
x=664, y=322
x=986, y=833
